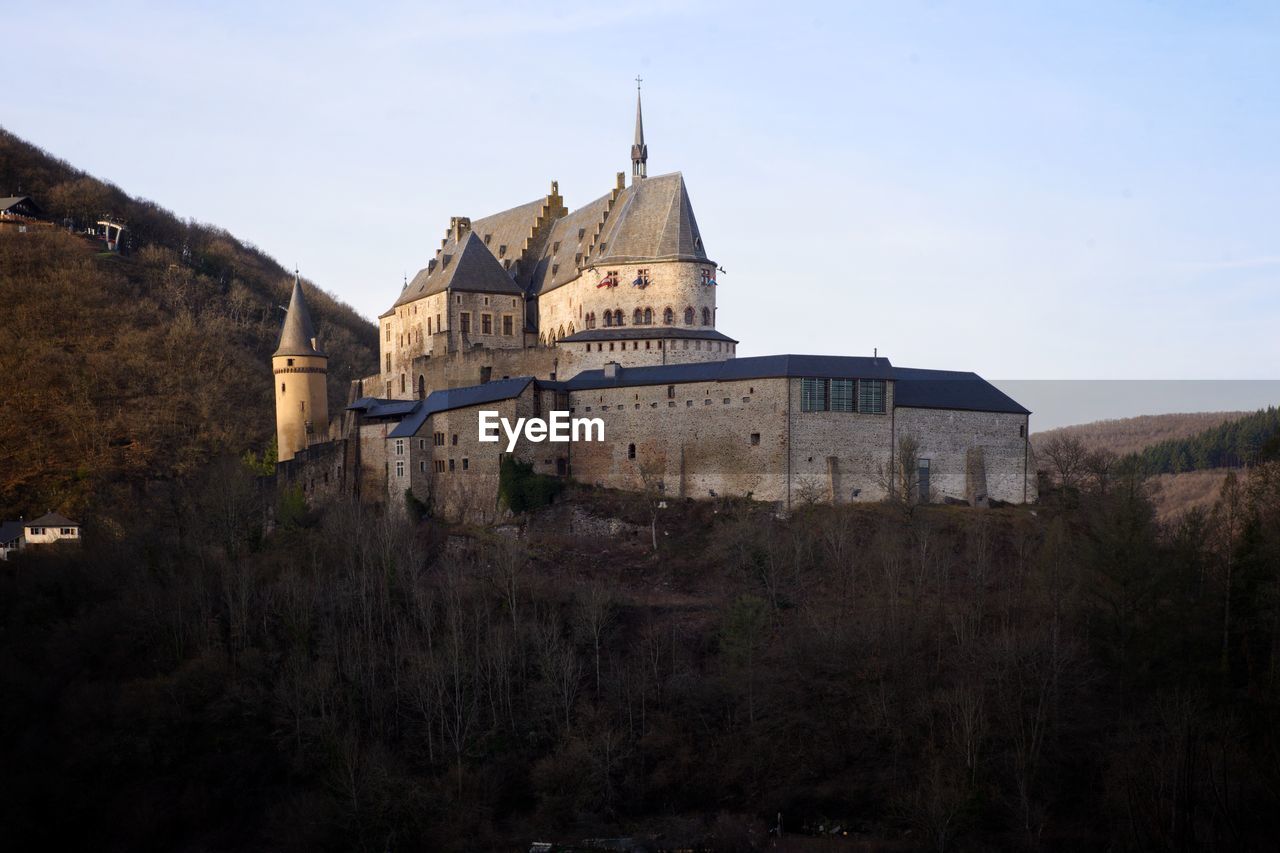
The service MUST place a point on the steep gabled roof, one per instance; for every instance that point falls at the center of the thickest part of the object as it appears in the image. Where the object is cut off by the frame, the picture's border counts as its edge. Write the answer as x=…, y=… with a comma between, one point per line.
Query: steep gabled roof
x=466, y=265
x=652, y=221
x=559, y=262
x=299, y=332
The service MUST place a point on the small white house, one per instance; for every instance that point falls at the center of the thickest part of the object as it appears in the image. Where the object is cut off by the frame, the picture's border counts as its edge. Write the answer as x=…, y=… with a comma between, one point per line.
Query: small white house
x=49, y=528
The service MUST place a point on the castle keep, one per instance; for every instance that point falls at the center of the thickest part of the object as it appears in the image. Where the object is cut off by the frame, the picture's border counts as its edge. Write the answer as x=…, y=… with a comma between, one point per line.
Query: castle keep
x=609, y=311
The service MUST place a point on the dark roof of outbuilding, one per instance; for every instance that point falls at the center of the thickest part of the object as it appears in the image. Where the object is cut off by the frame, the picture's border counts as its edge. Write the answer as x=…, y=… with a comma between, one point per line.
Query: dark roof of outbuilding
x=634, y=333
x=915, y=388
x=10, y=530
x=20, y=201
x=374, y=407
x=51, y=519
x=756, y=367
x=457, y=398
x=298, y=331
x=466, y=264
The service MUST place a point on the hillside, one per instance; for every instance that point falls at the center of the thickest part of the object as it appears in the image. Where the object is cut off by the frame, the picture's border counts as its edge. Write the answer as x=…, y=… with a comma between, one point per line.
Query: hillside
x=123, y=371
x=1123, y=436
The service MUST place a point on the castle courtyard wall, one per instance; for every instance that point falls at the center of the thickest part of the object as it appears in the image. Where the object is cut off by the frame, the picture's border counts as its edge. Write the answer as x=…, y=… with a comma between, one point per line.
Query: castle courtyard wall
x=946, y=437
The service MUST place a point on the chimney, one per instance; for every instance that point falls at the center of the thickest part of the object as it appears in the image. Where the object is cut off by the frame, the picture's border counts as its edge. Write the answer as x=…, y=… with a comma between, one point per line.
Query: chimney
x=611, y=370
x=458, y=227
x=622, y=180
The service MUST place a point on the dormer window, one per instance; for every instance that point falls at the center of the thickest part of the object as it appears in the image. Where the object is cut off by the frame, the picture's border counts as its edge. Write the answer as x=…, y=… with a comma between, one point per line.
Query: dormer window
x=555, y=268
x=486, y=239
x=582, y=232
x=555, y=247
x=502, y=250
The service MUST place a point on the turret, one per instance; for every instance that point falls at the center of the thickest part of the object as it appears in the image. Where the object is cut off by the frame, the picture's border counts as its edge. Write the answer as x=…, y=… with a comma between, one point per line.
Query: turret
x=301, y=370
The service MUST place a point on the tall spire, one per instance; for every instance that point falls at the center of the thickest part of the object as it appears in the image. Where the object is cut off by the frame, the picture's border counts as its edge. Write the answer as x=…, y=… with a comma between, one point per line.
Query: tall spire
x=639, y=151
x=298, y=337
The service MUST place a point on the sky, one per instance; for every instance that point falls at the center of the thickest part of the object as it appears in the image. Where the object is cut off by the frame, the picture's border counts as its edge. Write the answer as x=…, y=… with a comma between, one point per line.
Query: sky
x=1028, y=190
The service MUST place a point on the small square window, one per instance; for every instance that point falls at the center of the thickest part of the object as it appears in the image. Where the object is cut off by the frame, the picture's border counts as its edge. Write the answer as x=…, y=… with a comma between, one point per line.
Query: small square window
x=755, y=439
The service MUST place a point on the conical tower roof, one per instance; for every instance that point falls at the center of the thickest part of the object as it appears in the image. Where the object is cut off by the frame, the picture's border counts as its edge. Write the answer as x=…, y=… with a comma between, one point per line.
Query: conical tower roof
x=299, y=333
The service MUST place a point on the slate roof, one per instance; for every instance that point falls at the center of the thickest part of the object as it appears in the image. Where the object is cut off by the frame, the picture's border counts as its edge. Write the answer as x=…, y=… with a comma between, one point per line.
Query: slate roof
x=464, y=265
x=298, y=330
x=457, y=398
x=913, y=388
x=51, y=519
x=652, y=220
x=555, y=268
x=756, y=367
x=950, y=389
x=374, y=407
x=22, y=205
x=509, y=228
x=630, y=333
x=10, y=531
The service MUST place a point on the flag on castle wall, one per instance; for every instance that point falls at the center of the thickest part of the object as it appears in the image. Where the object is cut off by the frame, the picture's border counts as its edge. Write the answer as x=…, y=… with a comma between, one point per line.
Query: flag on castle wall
x=609, y=280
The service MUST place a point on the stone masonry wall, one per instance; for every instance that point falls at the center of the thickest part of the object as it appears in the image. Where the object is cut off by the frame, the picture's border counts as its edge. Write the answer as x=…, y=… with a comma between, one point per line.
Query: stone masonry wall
x=694, y=438
x=839, y=456
x=672, y=284
x=945, y=438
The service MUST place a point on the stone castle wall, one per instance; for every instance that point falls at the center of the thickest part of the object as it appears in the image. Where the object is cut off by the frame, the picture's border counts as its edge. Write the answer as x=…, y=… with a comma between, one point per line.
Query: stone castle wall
x=672, y=284
x=946, y=437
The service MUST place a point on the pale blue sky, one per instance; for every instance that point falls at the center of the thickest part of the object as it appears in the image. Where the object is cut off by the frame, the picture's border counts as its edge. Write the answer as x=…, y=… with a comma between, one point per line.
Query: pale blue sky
x=1029, y=190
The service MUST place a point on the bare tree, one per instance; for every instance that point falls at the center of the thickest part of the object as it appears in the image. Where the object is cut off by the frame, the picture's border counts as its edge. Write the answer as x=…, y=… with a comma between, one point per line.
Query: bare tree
x=1067, y=457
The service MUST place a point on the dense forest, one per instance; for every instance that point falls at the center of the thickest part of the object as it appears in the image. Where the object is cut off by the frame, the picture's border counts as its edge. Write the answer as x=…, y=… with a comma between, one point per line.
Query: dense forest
x=125, y=369
x=1123, y=436
x=1073, y=676
x=1233, y=444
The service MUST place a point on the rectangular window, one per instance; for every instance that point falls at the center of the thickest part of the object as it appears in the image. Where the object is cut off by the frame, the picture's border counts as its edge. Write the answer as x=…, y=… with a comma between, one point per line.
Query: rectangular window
x=422, y=466
x=438, y=465
x=813, y=395
x=486, y=324
x=455, y=439
x=438, y=439
x=422, y=444
x=451, y=465
x=466, y=463
x=399, y=467
x=399, y=447
x=388, y=370
x=388, y=332
x=439, y=325
x=506, y=324
x=464, y=322
x=842, y=395
x=755, y=439
x=871, y=396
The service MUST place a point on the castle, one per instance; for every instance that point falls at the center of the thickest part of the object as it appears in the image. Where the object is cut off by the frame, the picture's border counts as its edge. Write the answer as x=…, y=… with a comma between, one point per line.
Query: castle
x=608, y=311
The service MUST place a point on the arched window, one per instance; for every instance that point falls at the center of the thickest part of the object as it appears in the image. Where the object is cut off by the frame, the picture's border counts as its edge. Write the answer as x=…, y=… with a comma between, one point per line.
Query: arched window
x=688, y=316
x=637, y=317
x=560, y=334
x=648, y=316
x=571, y=330
x=422, y=387
x=618, y=316
x=668, y=316
x=706, y=316
x=608, y=318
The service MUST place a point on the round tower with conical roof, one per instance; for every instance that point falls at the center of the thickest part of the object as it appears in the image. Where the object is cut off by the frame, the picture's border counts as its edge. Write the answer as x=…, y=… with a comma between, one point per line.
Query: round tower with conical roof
x=301, y=376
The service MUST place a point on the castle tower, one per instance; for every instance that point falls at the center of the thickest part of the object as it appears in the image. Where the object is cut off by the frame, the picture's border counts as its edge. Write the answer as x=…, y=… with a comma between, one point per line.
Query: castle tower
x=300, y=368
x=639, y=151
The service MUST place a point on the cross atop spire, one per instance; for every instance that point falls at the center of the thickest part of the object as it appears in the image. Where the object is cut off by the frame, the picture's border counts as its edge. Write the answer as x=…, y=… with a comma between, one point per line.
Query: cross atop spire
x=639, y=151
